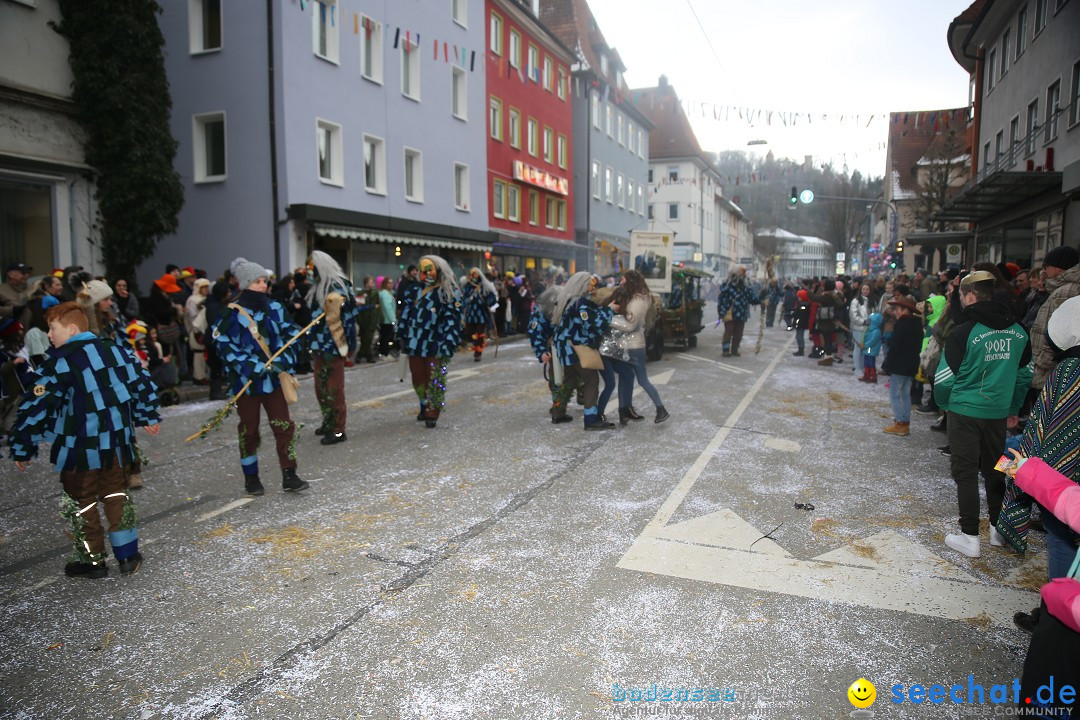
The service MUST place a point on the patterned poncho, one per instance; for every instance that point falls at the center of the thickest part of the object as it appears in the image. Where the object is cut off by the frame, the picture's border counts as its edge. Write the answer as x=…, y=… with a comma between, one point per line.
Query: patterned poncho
x=88, y=398
x=242, y=357
x=1054, y=431
x=429, y=327
x=583, y=323
x=321, y=339
x=478, y=304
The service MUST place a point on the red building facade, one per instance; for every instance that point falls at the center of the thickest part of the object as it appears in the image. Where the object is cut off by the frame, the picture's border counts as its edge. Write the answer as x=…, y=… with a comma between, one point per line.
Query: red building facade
x=529, y=144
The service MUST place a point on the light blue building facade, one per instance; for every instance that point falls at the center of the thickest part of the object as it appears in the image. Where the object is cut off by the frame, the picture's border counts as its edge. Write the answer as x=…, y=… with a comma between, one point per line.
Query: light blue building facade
x=354, y=128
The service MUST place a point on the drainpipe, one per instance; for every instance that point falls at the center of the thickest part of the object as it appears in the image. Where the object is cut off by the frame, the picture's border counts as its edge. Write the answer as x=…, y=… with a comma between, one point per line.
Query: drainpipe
x=976, y=120
x=272, y=123
x=588, y=193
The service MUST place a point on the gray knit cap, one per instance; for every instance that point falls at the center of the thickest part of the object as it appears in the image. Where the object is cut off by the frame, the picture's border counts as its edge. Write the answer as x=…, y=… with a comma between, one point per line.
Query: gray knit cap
x=247, y=272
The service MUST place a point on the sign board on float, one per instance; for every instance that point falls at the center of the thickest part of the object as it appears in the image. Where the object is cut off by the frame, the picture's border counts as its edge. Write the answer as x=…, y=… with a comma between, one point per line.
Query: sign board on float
x=652, y=255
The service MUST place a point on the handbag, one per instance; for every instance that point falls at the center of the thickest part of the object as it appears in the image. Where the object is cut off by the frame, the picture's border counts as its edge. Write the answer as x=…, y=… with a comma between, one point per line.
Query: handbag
x=168, y=334
x=589, y=358
x=614, y=344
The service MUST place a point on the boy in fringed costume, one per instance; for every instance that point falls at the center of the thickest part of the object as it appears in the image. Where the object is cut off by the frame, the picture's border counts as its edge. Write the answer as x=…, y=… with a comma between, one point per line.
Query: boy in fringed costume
x=429, y=332
x=255, y=328
x=541, y=331
x=89, y=396
x=332, y=341
x=581, y=322
x=480, y=301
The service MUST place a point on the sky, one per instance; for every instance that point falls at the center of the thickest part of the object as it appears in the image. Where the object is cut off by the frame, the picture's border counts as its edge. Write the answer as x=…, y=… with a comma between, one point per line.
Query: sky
x=824, y=59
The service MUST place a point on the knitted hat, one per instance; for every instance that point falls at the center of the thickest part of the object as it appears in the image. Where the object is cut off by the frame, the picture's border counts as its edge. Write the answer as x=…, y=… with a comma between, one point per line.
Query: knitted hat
x=1063, y=328
x=1063, y=257
x=199, y=283
x=247, y=272
x=8, y=327
x=802, y=295
x=135, y=330
x=167, y=283
x=98, y=290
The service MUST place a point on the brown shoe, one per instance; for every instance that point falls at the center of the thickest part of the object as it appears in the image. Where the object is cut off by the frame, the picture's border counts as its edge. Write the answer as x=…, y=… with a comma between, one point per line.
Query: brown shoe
x=898, y=428
x=825, y=361
x=134, y=481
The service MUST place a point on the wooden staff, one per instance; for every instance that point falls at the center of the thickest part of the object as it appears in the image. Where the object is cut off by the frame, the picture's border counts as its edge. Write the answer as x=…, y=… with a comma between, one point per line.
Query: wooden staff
x=224, y=412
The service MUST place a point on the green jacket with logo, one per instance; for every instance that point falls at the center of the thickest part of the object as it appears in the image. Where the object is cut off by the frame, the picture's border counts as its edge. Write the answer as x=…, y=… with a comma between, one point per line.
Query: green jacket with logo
x=985, y=369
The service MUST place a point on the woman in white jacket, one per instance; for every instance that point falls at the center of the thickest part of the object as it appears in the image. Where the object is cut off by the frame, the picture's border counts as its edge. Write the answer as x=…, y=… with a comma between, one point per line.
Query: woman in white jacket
x=859, y=313
x=630, y=320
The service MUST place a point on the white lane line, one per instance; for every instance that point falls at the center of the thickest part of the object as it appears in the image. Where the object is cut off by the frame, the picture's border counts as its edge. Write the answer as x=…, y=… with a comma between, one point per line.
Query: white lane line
x=224, y=509
x=36, y=586
x=721, y=365
x=452, y=375
x=683, y=488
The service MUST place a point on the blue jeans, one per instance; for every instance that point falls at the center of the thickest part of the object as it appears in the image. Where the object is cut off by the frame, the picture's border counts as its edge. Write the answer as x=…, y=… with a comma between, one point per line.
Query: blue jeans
x=800, y=338
x=637, y=362
x=900, y=395
x=1060, y=545
x=857, y=353
x=626, y=383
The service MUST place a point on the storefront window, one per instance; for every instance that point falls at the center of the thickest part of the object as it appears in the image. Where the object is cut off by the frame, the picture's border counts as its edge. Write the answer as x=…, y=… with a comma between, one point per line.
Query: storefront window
x=26, y=224
x=1047, y=234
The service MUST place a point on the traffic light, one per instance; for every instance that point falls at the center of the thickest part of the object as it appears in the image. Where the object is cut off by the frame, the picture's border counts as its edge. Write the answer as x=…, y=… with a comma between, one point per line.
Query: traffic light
x=899, y=247
x=794, y=201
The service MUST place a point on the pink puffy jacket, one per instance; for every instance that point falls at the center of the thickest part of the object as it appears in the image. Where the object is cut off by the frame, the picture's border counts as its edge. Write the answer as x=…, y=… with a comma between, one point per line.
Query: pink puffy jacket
x=1061, y=496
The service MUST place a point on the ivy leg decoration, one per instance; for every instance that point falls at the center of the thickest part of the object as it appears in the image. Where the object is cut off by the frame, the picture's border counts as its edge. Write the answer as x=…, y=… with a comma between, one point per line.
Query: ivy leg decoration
x=69, y=510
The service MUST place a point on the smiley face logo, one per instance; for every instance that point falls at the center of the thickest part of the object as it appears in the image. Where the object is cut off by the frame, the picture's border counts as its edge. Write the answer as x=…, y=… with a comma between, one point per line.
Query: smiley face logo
x=862, y=693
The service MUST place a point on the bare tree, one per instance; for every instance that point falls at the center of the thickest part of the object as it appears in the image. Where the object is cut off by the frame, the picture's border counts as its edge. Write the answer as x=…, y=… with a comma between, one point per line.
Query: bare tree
x=941, y=173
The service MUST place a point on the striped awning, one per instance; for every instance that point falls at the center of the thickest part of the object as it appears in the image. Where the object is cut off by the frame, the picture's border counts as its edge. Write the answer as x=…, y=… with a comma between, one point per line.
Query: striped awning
x=352, y=233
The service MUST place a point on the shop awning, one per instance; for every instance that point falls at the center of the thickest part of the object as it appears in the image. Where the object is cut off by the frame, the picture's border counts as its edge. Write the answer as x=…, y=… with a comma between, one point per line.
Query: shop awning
x=350, y=233
x=621, y=244
x=996, y=193
x=940, y=239
x=512, y=243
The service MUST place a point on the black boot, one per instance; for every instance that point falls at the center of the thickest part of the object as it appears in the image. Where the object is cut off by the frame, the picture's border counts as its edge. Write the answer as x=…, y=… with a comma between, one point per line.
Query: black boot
x=633, y=414
x=559, y=419
x=429, y=423
x=333, y=438
x=624, y=416
x=321, y=430
x=290, y=482
x=941, y=425
x=253, y=486
x=661, y=415
x=129, y=566
x=91, y=571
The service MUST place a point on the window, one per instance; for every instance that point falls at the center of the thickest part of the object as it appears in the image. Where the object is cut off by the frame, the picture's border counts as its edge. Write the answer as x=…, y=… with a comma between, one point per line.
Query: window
x=620, y=189
x=641, y=200
x=631, y=136
x=495, y=119
x=991, y=69
x=650, y=176
x=630, y=194
x=204, y=25
x=330, y=156
x=496, y=34
x=673, y=211
x=515, y=48
x=610, y=126
x=999, y=143
x=547, y=73
x=550, y=213
x=1040, y=16
x=652, y=211
x=498, y=199
x=622, y=130
x=459, y=96
x=530, y=139
x=641, y=144
x=374, y=165
x=594, y=178
x=562, y=84
x=560, y=206
x=594, y=102
x=1074, y=95
x=603, y=65
x=1032, y=127
x=410, y=71
x=209, y=144
x=461, y=187
x=673, y=173
x=1021, y=31
x=515, y=128
x=459, y=11
x=1005, y=52
x=609, y=185
x=513, y=203
x=986, y=153
x=549, y=146
x=414, y=175
x=371, y=50
x=1053, y=98
x=534, y=64
x=561, y=151
x=1014, y=138
x=324, y=32
x=534, y=207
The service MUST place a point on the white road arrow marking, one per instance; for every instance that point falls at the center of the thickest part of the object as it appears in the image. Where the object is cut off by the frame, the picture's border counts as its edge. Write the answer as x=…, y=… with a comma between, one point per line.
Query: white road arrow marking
x=884, y=571
x=224, y=509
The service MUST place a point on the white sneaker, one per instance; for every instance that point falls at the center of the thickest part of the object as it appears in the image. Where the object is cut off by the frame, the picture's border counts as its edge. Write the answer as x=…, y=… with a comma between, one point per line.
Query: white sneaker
x=964, y=544
x=996, y=538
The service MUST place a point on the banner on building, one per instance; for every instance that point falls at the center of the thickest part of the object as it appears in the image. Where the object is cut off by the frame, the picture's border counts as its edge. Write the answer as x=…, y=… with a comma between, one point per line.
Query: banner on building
x=652, y=254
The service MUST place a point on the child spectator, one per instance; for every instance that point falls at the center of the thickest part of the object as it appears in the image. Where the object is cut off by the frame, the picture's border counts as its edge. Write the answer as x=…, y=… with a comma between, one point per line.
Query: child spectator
x=871, y=346
x=90, y=395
